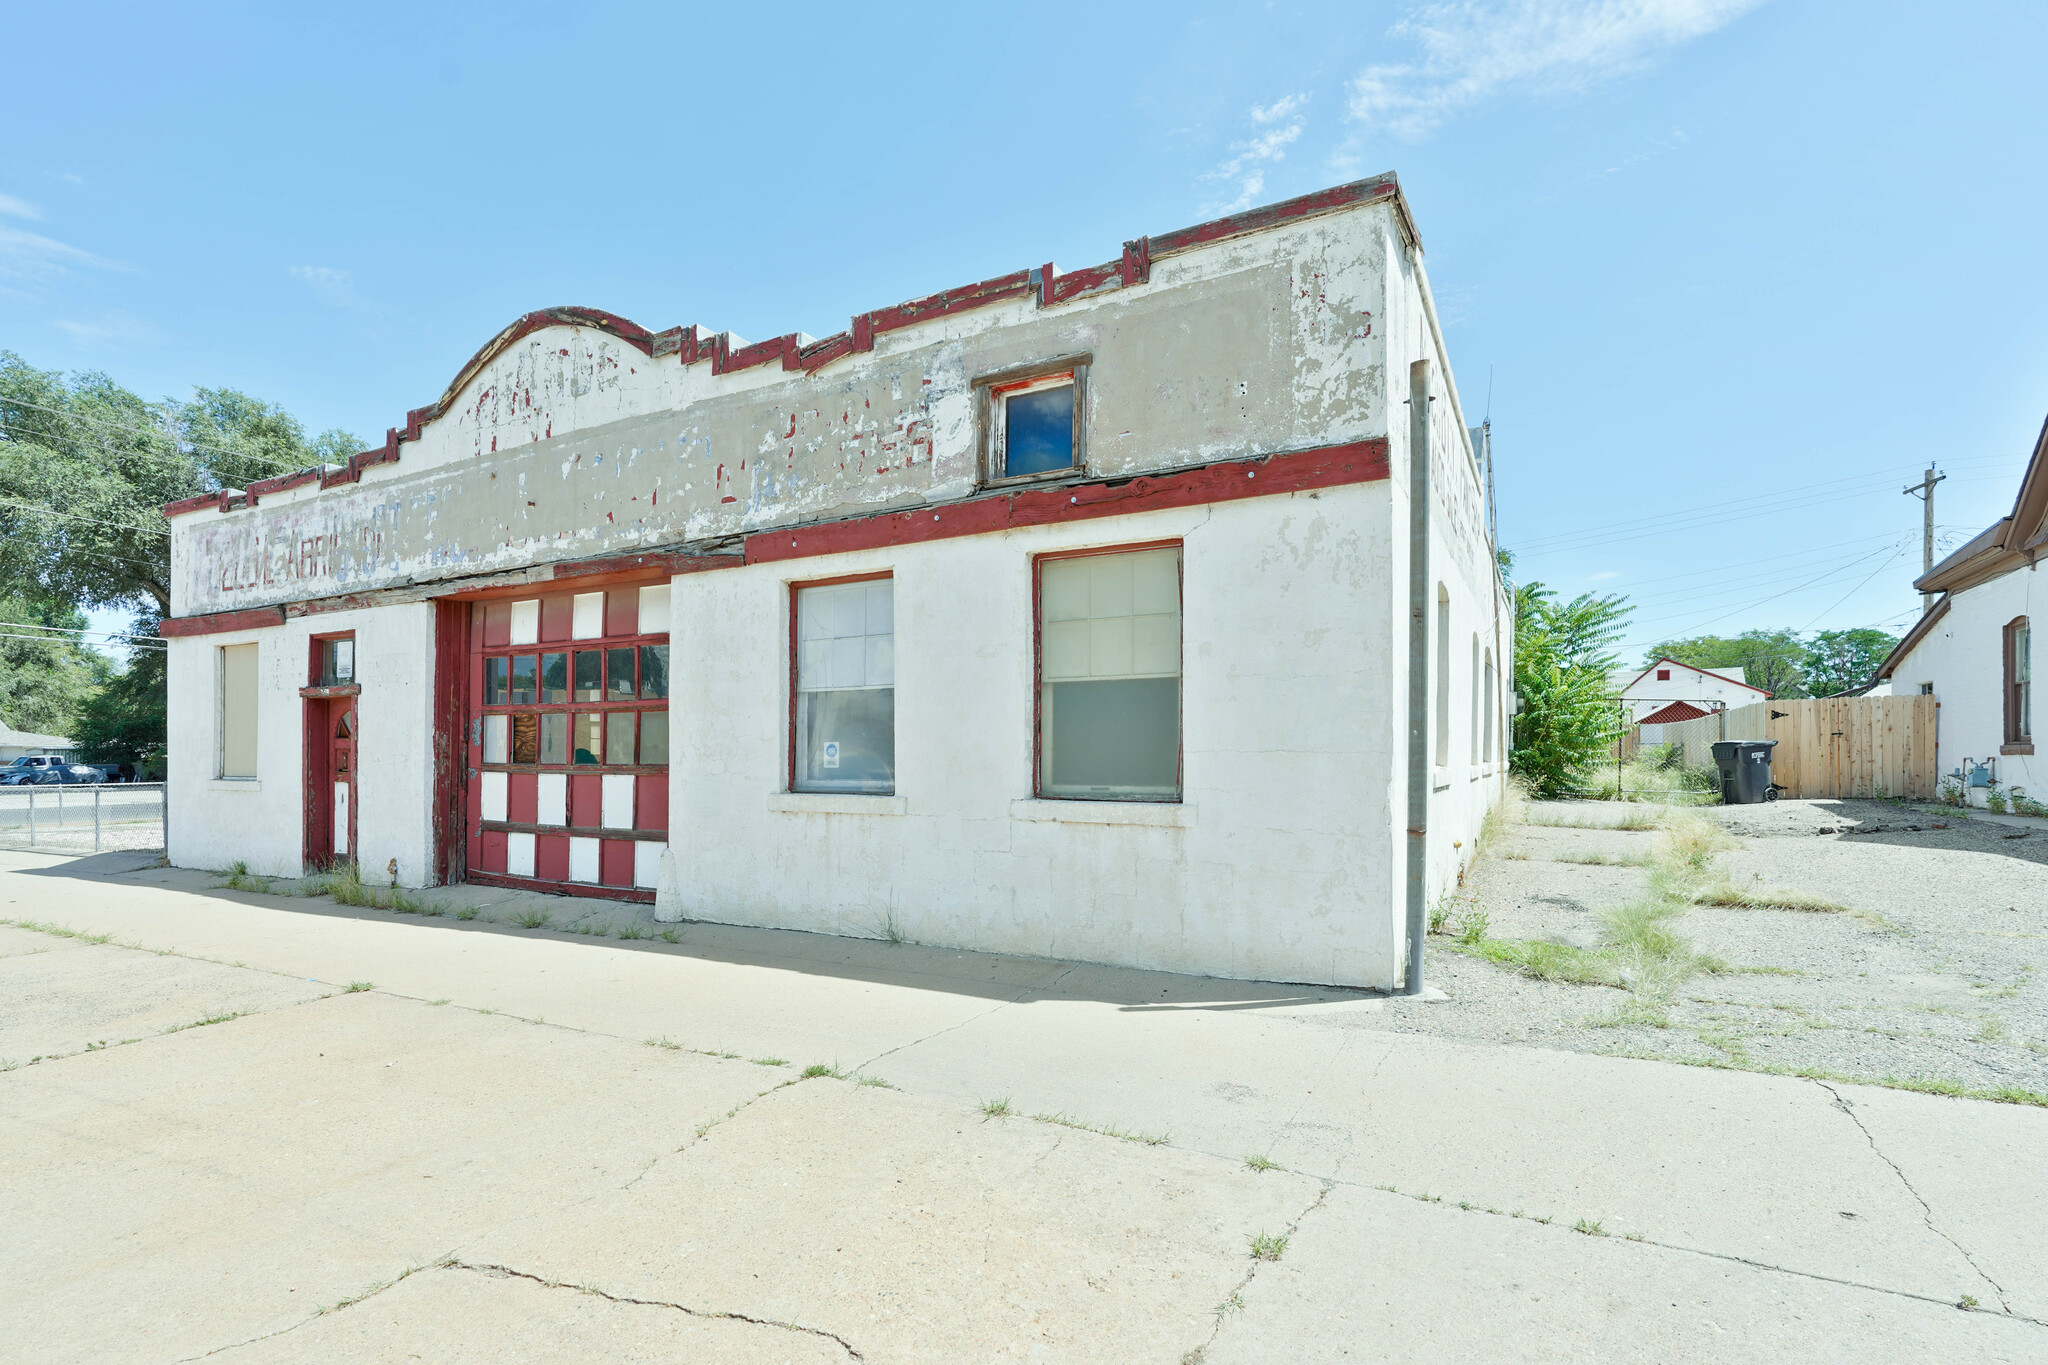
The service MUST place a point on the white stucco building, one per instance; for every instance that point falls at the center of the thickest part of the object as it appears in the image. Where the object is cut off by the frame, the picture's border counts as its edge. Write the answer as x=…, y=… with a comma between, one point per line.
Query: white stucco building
x=1142, y=614
x=1668, y=691
x=1976, y=650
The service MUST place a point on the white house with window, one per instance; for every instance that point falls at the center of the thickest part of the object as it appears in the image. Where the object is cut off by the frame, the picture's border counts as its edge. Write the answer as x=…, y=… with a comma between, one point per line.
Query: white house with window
x=1975, y=648
x=1079, y=613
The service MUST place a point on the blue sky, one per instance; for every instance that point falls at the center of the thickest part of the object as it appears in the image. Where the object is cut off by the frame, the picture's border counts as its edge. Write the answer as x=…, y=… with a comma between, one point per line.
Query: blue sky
x=1732, y=271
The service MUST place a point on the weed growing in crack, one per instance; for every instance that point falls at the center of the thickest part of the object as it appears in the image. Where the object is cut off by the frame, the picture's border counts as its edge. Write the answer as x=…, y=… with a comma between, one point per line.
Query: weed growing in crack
x=239, y=878
x=1233, y=1304
x=769, y=1061
x=664, y=1041
x=467, y=912
x=1260, y=1163
x=442, y=1001
x=1967, y=1302
x=355, y=986
x=817, y=1069
x=532, y=919
x=56, y=930
x=877, y=1082
x=1122, y=1135
x=671, y=935
x=1268, y=1247
x=200, y=1023
x=1590, y=1228
x=629, y=932
x=996, y=1109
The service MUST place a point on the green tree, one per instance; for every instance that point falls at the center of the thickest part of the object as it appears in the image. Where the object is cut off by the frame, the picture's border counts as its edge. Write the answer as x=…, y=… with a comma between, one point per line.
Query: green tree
x=1563, y=655
x=86, y=467
x=1774, y=660
x=124, y=721
x=45, y=683
x=1838, y=660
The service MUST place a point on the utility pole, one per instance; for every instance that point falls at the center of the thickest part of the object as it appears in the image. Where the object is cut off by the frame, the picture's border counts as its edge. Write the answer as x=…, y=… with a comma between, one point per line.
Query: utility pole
x=1924, y=490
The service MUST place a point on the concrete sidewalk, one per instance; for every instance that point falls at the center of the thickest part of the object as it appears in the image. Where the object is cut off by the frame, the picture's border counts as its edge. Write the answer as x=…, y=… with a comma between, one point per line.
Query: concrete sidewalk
x=485, y=1123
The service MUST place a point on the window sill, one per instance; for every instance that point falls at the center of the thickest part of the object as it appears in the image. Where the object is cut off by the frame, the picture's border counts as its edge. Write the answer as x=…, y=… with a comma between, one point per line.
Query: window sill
x=234, y=784
x=1068, y=474
x=836, y=803
x=1440, y=779
x=1159, y=814
x=2025, y=746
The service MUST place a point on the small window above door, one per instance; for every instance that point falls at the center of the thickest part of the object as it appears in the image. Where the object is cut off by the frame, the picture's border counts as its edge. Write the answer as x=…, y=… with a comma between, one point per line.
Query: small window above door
x=335, y=663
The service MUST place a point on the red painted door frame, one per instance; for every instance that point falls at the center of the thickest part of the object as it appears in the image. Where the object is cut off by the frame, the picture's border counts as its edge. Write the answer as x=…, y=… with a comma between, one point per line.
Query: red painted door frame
x=330, y=759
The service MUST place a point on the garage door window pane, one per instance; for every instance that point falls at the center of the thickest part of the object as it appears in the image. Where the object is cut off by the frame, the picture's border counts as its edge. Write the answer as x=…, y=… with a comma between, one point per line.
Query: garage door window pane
x=1109, y=677
x=846, y=688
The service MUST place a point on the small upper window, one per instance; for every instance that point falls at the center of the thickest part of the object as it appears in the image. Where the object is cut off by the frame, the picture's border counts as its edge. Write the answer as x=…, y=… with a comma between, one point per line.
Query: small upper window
x=1035, y=422
x=337, y=662
x=1663, y=675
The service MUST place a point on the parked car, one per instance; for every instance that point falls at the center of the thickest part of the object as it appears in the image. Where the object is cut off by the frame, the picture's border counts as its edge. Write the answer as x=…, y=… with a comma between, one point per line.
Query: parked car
x=31, y=768
x=42, y=770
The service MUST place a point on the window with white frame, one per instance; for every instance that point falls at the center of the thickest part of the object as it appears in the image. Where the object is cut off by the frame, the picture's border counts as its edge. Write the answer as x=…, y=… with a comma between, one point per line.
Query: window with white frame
x=2019, y=683
x=1109, y=676
x=1492, y=720
x=238, y=711
x=1473, y=743
x=1443, y=676
x=1035, y=421
x=844, y=736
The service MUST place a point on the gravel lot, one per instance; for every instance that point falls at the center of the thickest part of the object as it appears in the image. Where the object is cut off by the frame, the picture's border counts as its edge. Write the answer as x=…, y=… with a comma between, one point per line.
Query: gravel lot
x=1936, y=976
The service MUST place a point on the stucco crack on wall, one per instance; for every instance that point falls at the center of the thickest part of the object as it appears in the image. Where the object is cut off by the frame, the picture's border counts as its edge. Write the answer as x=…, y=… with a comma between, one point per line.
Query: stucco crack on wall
x=707, y=1314
x=1926, y=1209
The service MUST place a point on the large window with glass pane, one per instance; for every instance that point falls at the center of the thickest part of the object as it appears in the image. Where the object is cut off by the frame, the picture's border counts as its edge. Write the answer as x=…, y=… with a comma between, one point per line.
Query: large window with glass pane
x=570, y=738
x=844, y=725
x=1109, y=675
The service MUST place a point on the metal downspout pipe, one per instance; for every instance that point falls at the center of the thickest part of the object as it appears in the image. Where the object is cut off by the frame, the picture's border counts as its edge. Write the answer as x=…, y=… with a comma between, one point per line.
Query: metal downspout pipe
x=1418, y=669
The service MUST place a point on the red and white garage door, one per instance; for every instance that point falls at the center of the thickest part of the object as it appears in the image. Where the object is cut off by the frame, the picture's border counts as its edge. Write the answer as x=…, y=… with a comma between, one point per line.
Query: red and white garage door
x=568, y=741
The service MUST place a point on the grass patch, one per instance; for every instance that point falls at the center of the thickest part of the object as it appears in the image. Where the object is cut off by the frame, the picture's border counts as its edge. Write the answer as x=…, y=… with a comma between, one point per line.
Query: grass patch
x=202, y=1023
x=1267, y=1246
x=1065, y=1120
x=1543, y=959
x=817, y=1069
x=997, y=1109
x=630, y=932
x=533, y=919
x=57, y=930
x=240, y=879
x=355, y=986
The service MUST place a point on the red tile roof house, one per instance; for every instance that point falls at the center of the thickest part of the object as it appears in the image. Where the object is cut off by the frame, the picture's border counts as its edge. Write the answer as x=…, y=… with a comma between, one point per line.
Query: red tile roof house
x=1140, y=614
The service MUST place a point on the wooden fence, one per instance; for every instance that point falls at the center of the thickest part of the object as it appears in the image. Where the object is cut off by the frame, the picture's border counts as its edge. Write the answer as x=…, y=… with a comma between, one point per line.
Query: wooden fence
x=1829, y=747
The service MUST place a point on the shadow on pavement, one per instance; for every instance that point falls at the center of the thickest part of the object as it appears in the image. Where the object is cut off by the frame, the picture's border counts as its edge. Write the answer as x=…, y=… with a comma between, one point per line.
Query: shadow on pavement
x=591, y=923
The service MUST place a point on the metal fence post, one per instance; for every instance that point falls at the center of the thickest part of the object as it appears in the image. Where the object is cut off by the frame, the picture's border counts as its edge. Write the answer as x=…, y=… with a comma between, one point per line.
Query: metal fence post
x=163, y=797
x=31, y=815
x=96, y=818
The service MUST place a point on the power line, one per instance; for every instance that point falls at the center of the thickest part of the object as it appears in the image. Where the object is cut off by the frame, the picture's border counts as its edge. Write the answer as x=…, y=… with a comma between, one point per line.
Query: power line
x=170, y=436
x=67, y=630
x=1751, y=606
x=80, y=516
x=1858, y=588
x=50, y=640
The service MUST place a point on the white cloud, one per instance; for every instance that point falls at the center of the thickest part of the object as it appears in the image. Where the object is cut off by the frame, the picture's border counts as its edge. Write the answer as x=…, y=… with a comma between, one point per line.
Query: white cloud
x=26, y=255
x=1472, y=51
x=337, y=287
x=111, y=329
x=1248, y=159
x=1278, y=109
x=18, y=208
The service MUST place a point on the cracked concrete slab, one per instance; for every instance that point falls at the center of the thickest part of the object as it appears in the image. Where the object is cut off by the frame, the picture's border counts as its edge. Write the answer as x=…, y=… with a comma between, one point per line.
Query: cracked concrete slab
x=918, y=1230
x=196, y=1190
x=18, y=942
x=860, y=997
x=1760, y=1167
x=1372, y=1276
x=1989, y=1194
x=457, y=1316
x=56, y=1003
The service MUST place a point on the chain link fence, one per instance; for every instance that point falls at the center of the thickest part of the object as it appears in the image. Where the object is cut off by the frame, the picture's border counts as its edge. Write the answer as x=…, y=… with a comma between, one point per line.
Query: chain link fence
x=83, y=819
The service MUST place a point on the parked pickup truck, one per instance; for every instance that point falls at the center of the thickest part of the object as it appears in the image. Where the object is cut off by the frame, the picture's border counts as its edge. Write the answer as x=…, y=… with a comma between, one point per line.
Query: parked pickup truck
x=47, y=769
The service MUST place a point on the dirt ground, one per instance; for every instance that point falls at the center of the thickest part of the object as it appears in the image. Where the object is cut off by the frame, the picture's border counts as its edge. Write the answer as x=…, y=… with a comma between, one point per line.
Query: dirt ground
x=1933, y=976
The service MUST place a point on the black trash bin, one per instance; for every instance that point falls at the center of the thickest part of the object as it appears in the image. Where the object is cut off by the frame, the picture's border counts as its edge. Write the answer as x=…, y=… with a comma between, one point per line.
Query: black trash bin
x=1745, y=766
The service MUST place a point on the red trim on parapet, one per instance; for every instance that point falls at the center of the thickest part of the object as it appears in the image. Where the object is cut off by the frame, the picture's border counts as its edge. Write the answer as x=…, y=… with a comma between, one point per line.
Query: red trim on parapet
x=256, y=618
x=691, y=344
x=1324, y=467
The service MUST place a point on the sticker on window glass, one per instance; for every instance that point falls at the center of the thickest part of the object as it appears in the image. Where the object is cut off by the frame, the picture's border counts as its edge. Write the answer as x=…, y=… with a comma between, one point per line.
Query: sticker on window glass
x=345, y=660
x=831, y=754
